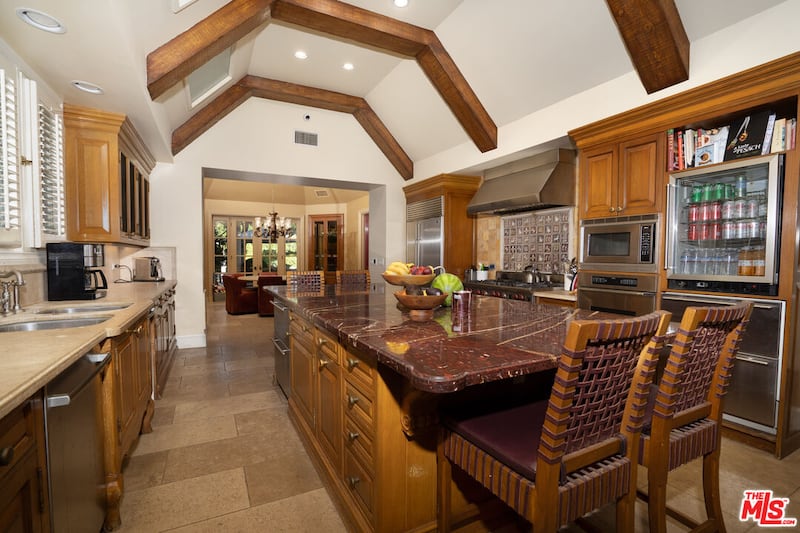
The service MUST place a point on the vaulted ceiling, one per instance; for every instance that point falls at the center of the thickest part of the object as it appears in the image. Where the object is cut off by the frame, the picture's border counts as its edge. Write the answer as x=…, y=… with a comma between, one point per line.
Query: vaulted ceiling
x=429, y=77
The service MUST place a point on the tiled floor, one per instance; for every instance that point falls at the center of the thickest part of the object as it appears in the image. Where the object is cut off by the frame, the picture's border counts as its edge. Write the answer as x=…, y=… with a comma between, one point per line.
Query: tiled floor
x=223, y=456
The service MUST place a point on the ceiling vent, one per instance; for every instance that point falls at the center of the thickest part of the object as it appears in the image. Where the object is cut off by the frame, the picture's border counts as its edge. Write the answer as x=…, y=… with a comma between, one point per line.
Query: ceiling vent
x=304, y=137
x=321, y=193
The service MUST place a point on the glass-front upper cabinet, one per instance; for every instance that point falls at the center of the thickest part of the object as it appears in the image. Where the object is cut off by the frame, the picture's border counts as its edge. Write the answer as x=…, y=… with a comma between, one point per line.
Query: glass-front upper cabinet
x=723, y=230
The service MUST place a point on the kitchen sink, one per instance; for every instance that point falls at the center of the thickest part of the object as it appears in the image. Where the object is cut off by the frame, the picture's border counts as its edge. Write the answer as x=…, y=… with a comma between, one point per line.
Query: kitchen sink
x=94, y=308
x=34, y=325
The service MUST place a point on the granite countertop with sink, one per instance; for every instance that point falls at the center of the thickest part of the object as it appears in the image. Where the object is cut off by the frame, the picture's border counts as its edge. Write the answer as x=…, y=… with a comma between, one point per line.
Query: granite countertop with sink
x=31, y=359
x=499, y=338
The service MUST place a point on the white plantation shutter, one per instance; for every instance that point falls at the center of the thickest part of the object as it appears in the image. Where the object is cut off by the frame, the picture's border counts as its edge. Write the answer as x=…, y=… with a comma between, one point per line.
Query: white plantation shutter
x=51, y=171
x=9, y=170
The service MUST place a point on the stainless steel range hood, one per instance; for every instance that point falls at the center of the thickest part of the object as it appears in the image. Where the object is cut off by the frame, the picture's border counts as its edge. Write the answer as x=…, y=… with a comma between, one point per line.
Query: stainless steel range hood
x=536, y=182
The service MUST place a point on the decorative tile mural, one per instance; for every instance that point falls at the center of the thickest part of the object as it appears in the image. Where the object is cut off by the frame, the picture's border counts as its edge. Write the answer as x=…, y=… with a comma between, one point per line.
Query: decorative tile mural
x=540, y=239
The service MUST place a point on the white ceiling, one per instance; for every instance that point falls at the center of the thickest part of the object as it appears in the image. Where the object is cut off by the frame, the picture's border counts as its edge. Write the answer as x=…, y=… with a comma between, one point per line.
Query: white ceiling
x=518, y=55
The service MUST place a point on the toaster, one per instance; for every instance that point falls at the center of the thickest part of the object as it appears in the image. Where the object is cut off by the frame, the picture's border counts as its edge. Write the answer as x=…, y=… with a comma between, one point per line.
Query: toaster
x=147, y=269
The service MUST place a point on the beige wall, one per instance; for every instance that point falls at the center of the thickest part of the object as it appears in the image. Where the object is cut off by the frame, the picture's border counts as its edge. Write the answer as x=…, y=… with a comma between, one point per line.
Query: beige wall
x=353, y=246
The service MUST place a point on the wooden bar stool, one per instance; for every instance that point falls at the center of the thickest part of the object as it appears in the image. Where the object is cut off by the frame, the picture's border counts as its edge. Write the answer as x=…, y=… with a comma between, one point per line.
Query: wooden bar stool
x=353, y=278
x=555, y=461
x=305, y=280
x=684, y=413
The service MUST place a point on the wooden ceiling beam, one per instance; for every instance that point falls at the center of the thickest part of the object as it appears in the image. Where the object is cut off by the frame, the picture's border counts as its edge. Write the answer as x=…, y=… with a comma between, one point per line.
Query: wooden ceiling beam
x=656, y=40
x=175, y=60
x=294, y=94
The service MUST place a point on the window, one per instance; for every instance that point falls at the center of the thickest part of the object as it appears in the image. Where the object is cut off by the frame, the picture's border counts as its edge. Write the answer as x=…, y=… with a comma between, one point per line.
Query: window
x=9, y=172
x=51, y=172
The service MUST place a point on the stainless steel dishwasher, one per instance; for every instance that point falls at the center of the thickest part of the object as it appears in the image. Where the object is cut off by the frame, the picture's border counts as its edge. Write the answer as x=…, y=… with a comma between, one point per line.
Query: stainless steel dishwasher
x=73, y=421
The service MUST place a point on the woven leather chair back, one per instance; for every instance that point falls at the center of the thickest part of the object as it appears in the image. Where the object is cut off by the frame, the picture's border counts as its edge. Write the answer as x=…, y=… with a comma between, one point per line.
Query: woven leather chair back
x=353, y=278
x=308, y=280
x=699, y=366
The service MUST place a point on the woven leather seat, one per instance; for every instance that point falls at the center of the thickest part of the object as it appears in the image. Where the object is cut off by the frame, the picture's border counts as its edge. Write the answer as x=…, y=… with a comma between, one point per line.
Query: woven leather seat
x=555, y=460
x=685, y=409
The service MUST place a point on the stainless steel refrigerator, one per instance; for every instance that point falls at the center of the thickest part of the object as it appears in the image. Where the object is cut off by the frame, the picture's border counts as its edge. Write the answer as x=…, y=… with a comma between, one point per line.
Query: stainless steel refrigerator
x=424, y=232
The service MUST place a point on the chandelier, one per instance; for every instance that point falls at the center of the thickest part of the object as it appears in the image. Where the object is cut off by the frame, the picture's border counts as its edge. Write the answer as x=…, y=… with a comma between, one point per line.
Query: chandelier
x=273, y=225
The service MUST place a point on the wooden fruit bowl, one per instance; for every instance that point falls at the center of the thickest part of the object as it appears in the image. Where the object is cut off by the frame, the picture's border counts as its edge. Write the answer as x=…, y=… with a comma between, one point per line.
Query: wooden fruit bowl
x=420, y=306
x=397, y=279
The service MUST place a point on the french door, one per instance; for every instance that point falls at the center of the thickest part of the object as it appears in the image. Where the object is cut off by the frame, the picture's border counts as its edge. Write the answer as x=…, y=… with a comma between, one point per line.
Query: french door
x=326, y=244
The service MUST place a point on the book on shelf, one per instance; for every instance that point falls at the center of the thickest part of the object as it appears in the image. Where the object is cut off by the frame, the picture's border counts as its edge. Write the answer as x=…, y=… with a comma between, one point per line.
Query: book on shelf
x=766, y=145
x=670, y=149
x=710, y=145
x=679, y=143
x=746, y=135
x=778, y=143
x=791, y=133
x=689, y=144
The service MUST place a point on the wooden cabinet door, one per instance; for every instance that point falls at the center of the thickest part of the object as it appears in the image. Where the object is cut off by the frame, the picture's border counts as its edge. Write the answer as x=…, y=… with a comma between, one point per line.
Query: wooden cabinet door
x=329, y=410
x=641, y=176
x=326, y=245
x=127, y=390
x=19, y=498
x=303, y=381
x=598, y=182
x=144, y=364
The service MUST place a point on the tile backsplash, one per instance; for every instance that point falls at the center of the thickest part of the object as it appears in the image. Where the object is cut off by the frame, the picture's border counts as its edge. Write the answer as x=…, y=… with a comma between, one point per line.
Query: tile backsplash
x=541, y=239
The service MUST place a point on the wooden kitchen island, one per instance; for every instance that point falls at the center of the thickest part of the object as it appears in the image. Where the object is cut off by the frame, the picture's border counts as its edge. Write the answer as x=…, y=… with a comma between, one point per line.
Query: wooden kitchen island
x=368, y=383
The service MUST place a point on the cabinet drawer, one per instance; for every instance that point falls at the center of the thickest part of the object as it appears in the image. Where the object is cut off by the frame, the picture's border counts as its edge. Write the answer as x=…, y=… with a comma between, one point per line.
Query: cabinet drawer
x=301, y=331
x=328, y=346
x=357, y=368
x=359, y=485
x=17, y=435
x=360, y=444
x=360, y=407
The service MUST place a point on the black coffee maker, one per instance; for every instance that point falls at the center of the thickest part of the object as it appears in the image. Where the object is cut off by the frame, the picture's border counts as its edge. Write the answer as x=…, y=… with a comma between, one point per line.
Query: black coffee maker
x=72, y=272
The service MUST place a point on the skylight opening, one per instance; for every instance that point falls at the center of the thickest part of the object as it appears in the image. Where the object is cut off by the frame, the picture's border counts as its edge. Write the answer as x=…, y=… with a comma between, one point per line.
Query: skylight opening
x=209, y=78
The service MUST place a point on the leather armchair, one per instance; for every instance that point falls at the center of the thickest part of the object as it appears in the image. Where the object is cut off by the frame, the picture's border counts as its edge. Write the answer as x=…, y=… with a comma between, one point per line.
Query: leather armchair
x=265, y=307
x=240, y=299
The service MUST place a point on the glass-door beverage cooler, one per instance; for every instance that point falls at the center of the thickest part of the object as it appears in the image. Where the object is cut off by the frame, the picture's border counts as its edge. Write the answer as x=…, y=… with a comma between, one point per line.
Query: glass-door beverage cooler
x=723, y=227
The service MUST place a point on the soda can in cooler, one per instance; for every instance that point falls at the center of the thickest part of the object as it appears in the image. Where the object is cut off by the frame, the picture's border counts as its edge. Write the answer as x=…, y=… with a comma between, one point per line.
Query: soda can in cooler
x=729, y=230
x=753, y=229
x=716, y=211
x=705, y=211
x=708, y=192
x=692, y=232
x=739, y=208
x=727, y=210
x=694, y=213
x=741, y=229
x=702, y=232
x=714, y=231
x=751, y=208
x=697, y=194
x=762, y=230
x=719, y=191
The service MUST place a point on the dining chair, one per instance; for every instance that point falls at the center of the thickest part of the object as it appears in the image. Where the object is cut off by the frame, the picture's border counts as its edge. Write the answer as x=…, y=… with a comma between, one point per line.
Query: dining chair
x=353, y=278
x=553, y=461
x=684, y=416
x=305, y=280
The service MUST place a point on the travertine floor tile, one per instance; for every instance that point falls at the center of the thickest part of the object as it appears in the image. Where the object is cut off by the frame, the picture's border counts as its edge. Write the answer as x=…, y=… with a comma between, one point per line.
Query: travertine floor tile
x=188, y=411
x=163, y=415
x=281, y=477
x=145, y=471
x=174, y=505
x=311, y=512
x=214, y=456
x=181, y=434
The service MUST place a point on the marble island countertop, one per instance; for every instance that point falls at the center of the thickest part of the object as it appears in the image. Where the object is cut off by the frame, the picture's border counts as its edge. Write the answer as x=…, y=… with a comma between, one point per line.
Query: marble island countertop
x=30, y=359
x=497, y=339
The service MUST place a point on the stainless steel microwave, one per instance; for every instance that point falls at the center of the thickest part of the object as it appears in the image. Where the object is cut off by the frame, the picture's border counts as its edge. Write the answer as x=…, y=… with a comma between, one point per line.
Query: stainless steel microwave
x=624, y=244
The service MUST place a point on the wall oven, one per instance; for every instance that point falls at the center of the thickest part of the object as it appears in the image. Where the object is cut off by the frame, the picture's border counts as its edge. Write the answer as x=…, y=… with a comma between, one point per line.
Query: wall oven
x=754, y=390
x=621, y=244
x=625, y=294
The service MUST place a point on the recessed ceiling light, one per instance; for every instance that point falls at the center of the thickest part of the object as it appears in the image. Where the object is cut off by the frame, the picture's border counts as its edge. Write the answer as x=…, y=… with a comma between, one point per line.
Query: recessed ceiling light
x=400, y=3
x=40, y=20
x=87, y=87
x=348, y=66
x=301, y=55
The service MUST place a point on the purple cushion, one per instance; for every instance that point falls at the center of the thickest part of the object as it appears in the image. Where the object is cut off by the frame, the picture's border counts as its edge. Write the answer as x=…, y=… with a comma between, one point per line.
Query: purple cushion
x=510, y=435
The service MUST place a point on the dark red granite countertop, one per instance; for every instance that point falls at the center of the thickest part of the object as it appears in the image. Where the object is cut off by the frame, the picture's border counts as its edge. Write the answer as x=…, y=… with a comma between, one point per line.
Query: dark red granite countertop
x=498, y=339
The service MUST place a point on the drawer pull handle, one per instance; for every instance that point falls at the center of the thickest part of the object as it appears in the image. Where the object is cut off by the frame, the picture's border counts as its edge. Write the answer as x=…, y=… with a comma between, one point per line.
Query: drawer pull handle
x=351, y=363
x=352, y=400
x=288, y=333
x=6, y=456
x=323, y=363
x=353, y=481
x=352, y=435
x=321, y=341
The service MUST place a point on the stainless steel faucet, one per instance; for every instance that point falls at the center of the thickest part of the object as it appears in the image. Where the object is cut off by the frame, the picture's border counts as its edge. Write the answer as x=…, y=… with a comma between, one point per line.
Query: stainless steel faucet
x=10, y=300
